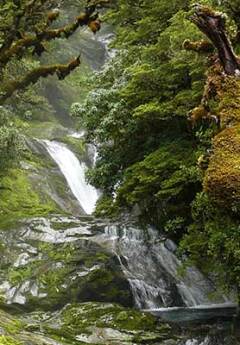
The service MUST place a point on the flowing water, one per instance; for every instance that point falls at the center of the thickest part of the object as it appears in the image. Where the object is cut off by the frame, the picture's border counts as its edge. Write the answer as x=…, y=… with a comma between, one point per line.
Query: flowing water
x=153, y=270
x=74, y=172
x=148, y=260
x=56, y=261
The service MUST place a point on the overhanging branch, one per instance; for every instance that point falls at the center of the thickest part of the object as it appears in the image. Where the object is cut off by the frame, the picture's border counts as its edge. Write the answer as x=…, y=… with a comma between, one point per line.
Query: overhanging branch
x=41, y=72
x=89, y=17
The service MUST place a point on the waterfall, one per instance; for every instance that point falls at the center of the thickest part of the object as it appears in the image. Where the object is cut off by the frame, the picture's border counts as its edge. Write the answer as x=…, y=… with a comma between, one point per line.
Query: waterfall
x=74, y=172
x=153, y=270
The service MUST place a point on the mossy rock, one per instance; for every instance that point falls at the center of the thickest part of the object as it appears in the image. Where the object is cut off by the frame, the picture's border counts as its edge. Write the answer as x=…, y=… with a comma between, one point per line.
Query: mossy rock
x=19, y=199
x=77, y=145
x=45, y=130
x=51, y=267
x=84, y=323
x=98, y=323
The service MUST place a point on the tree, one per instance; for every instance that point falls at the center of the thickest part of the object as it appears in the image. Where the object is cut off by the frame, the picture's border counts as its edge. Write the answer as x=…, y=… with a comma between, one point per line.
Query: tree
x=26, y=26
x=213, y=25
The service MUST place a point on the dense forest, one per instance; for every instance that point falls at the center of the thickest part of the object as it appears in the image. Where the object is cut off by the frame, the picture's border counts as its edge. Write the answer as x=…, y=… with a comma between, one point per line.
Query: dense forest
x=155, y=88
x=164, y=116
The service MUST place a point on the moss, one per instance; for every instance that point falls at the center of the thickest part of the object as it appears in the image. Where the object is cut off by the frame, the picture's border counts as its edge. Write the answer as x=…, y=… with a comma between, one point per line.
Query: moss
x=34, y=75
x=79, y=317
x=77, y=145
x=97, y=321
x=45, y=130
x=8, y=341
x=222, y=179
x=64, y=272
x=19, y=199
x=229, y=102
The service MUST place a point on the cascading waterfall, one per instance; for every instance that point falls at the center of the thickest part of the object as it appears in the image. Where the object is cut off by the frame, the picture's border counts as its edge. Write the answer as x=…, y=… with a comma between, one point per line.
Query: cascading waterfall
x=153, y=270
x=74, y=172
x=148, y=260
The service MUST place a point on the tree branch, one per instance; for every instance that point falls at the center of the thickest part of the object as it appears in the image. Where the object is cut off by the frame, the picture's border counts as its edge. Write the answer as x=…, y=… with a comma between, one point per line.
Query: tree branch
x=212, y=24
x=202, y=46
x=17, y=42
x=17, y=48
x=32, y=77
x=23, y=12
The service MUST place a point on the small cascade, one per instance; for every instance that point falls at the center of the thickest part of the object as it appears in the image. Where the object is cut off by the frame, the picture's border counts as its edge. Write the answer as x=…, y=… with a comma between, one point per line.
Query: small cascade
x=74, y=172
x=153, y=270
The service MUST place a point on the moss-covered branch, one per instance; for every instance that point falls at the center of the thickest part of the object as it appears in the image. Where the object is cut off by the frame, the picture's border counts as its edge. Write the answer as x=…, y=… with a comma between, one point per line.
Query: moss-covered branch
x=32, y=77
x=17, y=48
x=201, y=46
x=23, y=14
x=20, y=39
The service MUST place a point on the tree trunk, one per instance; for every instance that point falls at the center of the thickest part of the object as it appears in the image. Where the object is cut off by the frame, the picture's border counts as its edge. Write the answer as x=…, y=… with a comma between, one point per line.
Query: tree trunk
x=212, y=24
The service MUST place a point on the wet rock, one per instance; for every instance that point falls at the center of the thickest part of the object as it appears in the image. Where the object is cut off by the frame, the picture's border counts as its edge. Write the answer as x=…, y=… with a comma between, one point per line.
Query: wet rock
x=85, y=323
x=50, y=262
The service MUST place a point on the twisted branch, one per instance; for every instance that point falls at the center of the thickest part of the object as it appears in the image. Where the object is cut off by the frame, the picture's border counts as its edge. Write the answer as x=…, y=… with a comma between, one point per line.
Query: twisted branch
x=213, y=25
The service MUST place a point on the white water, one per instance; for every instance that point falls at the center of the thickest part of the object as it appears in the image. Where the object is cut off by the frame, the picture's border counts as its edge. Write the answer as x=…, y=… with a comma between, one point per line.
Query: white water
x=74, y=172
x=152, y=270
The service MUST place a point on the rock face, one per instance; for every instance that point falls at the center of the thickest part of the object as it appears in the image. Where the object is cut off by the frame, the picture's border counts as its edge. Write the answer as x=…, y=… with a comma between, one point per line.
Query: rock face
x=49, y=262
x=86, y=323
x=67, y=283
x=68, y=280
x=52, y=262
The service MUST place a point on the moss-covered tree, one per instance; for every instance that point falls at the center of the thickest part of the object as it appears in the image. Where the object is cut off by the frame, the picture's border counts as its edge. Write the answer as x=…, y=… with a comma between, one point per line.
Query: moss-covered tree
x=26, y=26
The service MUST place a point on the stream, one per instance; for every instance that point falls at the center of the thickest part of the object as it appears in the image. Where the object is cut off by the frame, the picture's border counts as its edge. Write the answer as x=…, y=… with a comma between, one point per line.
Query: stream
x=49, y=263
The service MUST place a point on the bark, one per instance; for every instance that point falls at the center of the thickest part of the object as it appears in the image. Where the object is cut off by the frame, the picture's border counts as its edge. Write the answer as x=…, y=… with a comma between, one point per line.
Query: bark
x=212, y=24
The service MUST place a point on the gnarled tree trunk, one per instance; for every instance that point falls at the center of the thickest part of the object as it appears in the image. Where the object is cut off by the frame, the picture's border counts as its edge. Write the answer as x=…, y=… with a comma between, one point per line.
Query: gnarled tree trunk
x=212, y=24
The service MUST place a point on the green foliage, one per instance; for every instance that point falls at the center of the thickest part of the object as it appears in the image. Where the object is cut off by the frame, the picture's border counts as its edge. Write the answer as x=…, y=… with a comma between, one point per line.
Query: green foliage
x=106, y=207
x=212, y=241
x=11, y=142
x=163, y=184
x=148, y=156
x=139, y=106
